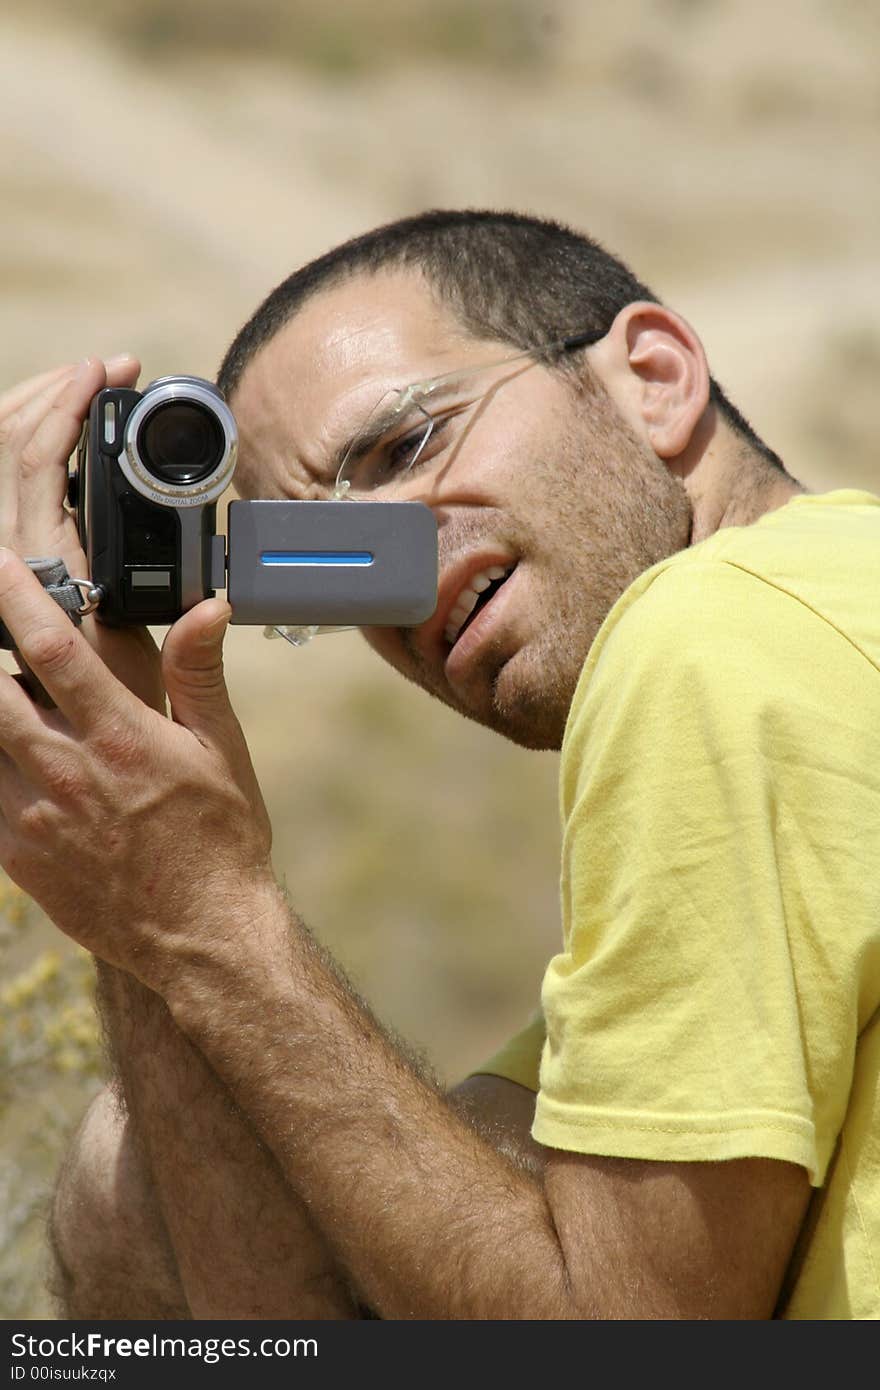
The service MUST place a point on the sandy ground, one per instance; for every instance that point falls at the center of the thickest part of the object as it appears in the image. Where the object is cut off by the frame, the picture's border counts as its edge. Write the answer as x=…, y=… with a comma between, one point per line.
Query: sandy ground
x=728, y=151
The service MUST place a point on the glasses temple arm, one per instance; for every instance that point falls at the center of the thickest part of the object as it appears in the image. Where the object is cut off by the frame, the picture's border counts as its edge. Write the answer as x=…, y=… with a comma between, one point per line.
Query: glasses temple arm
x=582, y=339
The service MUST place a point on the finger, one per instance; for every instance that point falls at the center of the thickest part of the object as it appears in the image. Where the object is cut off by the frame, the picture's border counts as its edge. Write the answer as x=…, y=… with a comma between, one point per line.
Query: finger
x=22, y=425
x=33, y=519
x=23, y=421
x=29, y=683
x=119, y=371
x=32, y=399
x=19, y=395
x=23, y=733
x=51, y=427
x=192, y=669
x=42, y=456
x=33, y=482
x=76, y=679
x=122, y=370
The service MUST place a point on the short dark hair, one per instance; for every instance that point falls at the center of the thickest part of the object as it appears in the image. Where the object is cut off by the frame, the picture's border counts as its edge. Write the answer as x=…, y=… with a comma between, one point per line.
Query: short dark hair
x=523, y=280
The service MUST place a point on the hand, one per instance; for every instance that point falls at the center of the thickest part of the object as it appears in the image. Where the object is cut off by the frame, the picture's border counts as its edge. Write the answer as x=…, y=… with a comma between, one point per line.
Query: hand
x=143, y=839
x=40, y=423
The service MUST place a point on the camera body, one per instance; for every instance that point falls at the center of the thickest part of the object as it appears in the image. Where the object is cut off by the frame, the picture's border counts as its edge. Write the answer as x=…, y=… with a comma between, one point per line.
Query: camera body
x=150, y=468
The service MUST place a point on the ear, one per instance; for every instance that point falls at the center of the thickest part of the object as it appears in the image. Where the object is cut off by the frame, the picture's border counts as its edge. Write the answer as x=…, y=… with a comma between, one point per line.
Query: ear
x=662, y=368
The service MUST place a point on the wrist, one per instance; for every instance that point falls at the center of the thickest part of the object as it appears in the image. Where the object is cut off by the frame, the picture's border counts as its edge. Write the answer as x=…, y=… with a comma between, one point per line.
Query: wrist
x=242, y=933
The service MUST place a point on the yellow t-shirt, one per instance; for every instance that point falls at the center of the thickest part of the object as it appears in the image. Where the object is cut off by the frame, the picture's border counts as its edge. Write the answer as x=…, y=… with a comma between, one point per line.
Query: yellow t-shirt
x=718, y=991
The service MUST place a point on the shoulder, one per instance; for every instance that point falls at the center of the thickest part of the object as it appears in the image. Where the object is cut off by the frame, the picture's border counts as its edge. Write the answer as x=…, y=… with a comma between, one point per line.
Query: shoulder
x=800, y=565
x=694, y=627
x=730, y=645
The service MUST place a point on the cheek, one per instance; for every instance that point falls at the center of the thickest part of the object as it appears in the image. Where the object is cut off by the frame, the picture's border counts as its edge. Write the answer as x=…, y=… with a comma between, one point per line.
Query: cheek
x=386, y=642
x=395, y=648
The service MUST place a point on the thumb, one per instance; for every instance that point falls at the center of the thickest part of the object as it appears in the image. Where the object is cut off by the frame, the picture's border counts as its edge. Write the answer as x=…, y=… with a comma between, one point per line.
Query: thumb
x=192, y=669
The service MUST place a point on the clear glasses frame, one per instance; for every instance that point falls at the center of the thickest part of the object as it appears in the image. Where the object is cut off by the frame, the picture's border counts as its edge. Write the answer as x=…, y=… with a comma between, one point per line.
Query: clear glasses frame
x=380, y=454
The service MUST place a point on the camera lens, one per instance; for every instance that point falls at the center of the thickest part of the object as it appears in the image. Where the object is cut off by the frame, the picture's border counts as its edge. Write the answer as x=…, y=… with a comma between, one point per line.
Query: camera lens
x=181, y=442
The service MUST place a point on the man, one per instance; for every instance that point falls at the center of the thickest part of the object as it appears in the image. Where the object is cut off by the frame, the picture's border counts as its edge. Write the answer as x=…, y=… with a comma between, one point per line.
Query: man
x=626, y=571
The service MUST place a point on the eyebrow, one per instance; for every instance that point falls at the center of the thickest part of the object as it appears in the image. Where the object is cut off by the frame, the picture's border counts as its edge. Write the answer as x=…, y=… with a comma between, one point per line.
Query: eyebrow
x=378, y=424
x=366, y=439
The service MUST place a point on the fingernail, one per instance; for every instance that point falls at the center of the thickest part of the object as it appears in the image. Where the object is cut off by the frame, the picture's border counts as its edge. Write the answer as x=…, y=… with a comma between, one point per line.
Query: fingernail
x=83, y=368
x=121, y=359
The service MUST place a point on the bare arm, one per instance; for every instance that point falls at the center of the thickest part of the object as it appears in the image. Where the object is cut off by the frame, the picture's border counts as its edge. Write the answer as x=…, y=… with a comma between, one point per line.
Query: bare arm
x=433, y=1221
x=243, y=1243
x=429, y=1218
x=210, y=1196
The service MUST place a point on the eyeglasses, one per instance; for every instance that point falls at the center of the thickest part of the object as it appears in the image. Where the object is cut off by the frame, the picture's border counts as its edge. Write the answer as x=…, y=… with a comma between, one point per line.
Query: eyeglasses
x=420, y=423
x=414, y=426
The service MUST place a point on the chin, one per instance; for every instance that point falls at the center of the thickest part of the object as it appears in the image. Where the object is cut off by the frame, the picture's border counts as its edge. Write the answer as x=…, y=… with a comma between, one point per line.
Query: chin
x=539, y=729
x=528, y=700
x=532, y=712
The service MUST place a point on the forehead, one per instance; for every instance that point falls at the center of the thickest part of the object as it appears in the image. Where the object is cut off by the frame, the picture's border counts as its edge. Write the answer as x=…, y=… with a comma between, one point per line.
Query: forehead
x=324, y=370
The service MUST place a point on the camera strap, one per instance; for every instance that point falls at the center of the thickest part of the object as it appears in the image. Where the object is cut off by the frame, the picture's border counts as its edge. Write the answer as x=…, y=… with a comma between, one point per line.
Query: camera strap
x=68, y=594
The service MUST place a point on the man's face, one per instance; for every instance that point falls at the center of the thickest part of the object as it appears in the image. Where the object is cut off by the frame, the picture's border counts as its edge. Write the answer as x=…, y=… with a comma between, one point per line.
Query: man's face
x=542, y=479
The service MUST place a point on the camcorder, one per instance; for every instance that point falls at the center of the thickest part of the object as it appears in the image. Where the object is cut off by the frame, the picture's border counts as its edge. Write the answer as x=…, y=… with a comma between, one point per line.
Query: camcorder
x=148, y=473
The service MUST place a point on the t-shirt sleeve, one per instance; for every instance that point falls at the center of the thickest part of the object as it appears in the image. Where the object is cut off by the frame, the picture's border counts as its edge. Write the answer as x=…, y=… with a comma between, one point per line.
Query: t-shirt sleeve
x=677, y=1019
x=520, y=1058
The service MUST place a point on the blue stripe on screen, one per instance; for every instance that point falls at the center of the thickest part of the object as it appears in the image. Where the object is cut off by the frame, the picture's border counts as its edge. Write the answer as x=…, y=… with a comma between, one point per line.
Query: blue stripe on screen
x=316, y=557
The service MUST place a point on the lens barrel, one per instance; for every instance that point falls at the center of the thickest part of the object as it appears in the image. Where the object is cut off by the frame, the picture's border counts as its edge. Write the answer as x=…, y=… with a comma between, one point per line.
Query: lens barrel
x=180, y=442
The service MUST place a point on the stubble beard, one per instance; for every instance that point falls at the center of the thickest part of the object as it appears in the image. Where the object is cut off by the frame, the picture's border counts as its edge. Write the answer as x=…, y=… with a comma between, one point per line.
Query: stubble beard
x=609, y=511
x=618, y=512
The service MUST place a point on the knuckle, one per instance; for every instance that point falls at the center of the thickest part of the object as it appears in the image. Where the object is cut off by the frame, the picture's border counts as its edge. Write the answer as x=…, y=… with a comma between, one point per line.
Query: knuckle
x=30, y=459
x=65, y=781
x=49, y=649
x=8, y=431
x=204, y=679
x=36, y=821
x=119, y=744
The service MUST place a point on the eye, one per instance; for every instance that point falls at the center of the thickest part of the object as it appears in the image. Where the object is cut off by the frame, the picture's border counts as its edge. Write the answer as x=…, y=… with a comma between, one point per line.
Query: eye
x=425, y=446
x=393, y=457
x=415, y=446
x=405, y=452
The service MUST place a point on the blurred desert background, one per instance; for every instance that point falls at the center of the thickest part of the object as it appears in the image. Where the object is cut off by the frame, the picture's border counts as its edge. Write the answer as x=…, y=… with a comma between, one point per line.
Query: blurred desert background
x=162, y=166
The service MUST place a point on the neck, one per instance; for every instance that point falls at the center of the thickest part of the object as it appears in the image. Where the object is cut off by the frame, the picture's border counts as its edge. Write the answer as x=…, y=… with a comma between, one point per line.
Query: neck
x=735, y=486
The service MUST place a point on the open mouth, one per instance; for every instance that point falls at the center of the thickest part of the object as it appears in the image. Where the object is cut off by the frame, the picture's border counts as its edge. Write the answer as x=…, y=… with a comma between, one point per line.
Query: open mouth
x=480, y=591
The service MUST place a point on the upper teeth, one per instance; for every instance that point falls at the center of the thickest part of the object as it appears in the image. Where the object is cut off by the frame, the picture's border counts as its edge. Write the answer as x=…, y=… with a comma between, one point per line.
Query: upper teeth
x=466, y=601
